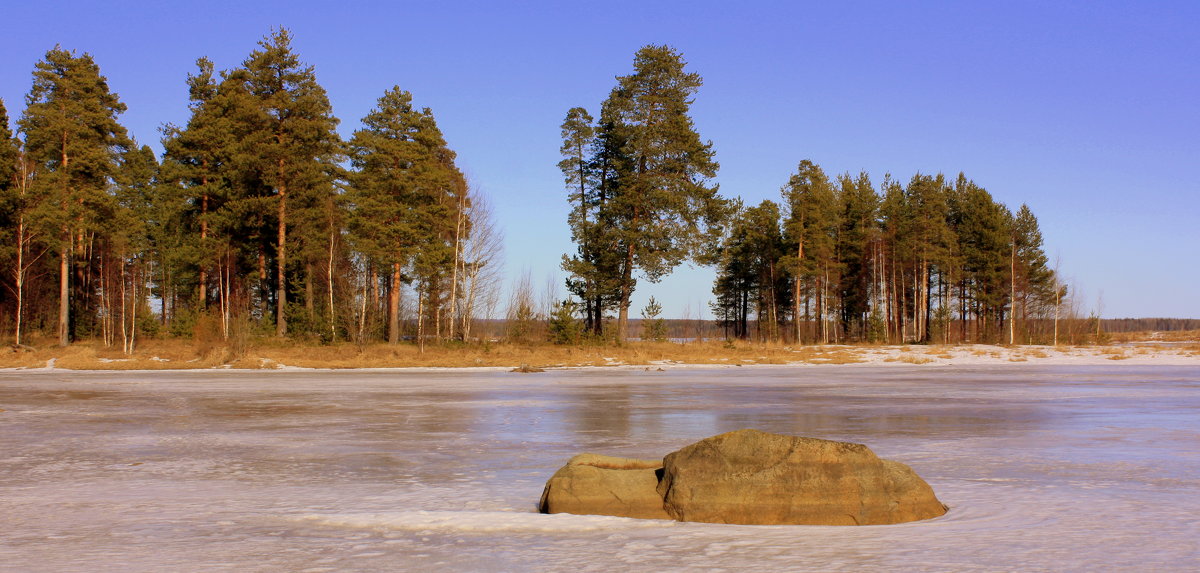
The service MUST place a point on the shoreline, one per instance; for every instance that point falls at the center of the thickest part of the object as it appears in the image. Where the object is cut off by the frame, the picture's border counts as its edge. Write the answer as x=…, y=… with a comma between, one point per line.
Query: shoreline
x=653, y=357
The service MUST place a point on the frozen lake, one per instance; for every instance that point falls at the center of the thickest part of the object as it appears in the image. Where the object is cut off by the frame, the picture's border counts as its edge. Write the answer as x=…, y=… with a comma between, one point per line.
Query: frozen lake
x=1044, y=468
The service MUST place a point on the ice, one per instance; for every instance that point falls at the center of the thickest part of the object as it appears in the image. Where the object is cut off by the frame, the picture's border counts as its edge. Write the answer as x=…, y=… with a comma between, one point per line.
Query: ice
x=1046, y=468
x=483, y=522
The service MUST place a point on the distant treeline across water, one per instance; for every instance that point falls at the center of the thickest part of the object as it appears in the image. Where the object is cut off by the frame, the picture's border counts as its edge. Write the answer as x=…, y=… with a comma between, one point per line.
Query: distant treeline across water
x=1148, y=324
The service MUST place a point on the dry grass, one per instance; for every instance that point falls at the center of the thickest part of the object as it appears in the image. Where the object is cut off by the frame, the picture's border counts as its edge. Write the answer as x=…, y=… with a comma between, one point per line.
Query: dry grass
x=1114, y=353
x=271, y=353
x=268, y=353
x=910, y=359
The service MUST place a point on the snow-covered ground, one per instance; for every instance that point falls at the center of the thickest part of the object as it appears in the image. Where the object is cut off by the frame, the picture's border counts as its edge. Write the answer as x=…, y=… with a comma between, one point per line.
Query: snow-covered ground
x=1160, y=354
x=1085, y=464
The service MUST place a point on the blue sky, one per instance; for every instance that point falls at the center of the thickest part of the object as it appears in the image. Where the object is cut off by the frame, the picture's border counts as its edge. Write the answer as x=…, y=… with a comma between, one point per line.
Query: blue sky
x=1087, y=111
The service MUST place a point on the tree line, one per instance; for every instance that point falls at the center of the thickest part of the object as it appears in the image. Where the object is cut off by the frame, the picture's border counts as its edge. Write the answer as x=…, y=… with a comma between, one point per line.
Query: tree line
x=257, y=216
x=932, y=260
x=837, y=259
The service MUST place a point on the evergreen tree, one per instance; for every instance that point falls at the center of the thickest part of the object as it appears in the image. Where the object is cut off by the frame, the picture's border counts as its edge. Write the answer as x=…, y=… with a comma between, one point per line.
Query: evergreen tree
x=405, y=194
x=72, y=134
x=894, y=246
x=593, y=268
x=856, y=237
x=1033, y=282
x=982, y=227
x=10, y=210
x=197, y=162
x=10, y=157
x=810, y=230
x=750, y=276
x=654, y=327
x=657, y=208
x=284, y=126
x=931, y=240
x=128, y=250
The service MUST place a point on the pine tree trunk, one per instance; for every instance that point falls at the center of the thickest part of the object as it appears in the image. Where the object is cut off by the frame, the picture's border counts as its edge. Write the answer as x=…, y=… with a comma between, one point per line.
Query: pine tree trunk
x=64, y=306
x=19, y=278
x=329, y=285
x=420, y=321
x=263, y=287
x=362, y=314
x=1012, y=296
x=458, y=224
x=796, y=287
x=280, y=266
x=124, y=318
x=626, y=293
x=1057, y=305
x=162, y=299
x=374, y=289
x=309, y=302
x=203, y=294
x=928, y=304
x=394, y=306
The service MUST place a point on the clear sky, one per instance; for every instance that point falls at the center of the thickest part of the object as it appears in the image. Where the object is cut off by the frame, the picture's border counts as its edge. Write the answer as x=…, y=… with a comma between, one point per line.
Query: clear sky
x=1087, y=111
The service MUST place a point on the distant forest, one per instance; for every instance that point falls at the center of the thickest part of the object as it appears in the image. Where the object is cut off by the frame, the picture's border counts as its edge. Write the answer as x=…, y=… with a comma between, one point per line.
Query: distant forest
x=258, y=219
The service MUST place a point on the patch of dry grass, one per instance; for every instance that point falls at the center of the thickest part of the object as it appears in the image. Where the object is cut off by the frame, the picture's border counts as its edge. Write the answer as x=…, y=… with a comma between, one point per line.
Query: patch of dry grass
x=911, y=359
x=1114, y=353
x=272, y=353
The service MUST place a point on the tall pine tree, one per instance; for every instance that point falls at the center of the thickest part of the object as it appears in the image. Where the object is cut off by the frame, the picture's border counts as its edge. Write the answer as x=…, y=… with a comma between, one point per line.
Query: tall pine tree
x=287, y=143
x=72, y=134
x=658, y=207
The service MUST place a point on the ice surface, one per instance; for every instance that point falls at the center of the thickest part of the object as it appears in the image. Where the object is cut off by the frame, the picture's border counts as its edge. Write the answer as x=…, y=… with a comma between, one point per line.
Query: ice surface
x=1058, y=468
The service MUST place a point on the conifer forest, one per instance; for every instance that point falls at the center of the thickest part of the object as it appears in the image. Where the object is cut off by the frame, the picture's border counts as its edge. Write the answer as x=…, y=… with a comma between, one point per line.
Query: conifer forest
x=258, y=219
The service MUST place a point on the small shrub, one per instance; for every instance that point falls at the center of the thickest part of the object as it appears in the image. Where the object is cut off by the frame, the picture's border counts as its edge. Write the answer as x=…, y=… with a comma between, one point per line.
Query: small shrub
x=653, y=326
x=564, y=327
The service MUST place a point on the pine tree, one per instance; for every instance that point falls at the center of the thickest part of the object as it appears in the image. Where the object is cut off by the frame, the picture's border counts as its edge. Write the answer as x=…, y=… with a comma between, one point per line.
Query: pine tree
x=656, y=208
x=982, y=227
x=926, y=198
x=128, y=248
x=197, y=161
x=10, y=202
x=750, y=275
x=10, y=216
x=72, y=134
x=287, y=143
x=810, y=230
x=405, y=195
x=1032, y=281
x=578, y=134
x=856, y=236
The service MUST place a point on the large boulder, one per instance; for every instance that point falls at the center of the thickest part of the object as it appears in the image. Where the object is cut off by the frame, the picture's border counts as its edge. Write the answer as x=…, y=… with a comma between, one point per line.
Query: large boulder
x=747, y=477
x=592, y=484
x=752, y=477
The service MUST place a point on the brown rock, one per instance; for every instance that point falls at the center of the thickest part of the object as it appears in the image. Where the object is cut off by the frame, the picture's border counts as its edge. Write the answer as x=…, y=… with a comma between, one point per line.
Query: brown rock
x=592, y=484
x=752, y=477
